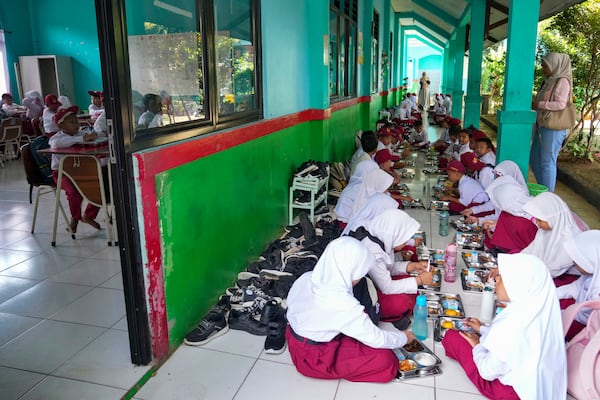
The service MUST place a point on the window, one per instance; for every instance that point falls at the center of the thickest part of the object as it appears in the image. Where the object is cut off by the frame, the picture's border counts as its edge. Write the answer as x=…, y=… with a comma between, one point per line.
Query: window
x=375, y=53
x=343, y=17
x=193, y=64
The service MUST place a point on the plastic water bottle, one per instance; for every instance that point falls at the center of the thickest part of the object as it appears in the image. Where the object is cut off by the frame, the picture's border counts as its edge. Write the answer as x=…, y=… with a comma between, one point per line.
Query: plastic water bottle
x=420, y=318
x=444, y=216
x=450, y=261
x=486, y=313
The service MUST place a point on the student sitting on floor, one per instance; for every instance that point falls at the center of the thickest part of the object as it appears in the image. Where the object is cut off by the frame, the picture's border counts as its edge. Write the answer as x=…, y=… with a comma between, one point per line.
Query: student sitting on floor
x=376, y=181
x=451, y=151
x=418, y=137
x=556, y=225
x=510, y=168
x=480, y=171
x=330, y=333
x=377, y=203
x=368, y=142
x=345, y=204
x=68, y=135
x=464, y=140
x=396, y=291
x=584, y=249
x=485, y=151
x=470, y=192
x=522, y=354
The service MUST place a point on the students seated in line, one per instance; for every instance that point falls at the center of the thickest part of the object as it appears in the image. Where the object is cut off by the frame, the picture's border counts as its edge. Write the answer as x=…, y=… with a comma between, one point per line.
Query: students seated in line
x=383, y=236
x=480, y=171
x=377, y=203
x=448, y=103
x=376, y=181
x=470, y=192
x=464, y=140
x=556, y=225
x=385, y=159
x=152, y=115
x=444, y=141
x=485, y=151
x=368, y=143
x=510, y=168
x=418, y=137
x=52, y=106
x=10, y=108
x=384, y=137
x=584, y=250
x=522, y=354
x=513, y=229
x=96, y=107
x=345, y=204
x=68, y=135
x=451, y=151
x=330, y=333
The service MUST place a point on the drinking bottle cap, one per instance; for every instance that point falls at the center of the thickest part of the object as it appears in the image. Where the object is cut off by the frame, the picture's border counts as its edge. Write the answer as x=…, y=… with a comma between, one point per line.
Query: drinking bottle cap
x=421, y=300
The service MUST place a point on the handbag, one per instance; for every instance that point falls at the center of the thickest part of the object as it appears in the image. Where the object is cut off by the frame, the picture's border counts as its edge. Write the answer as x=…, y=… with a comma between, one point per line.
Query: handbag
x=560, y=119
x=583, y=353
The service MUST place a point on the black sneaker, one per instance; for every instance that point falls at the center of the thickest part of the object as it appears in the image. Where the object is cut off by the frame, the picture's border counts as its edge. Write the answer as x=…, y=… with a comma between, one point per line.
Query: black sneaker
x=244, y=320
x=275, y=341
x=213, y=325
x=308, y=229
x=303, y=198
x=283, y=285
x=305, y=168
x=241, y=298
x=294, y=231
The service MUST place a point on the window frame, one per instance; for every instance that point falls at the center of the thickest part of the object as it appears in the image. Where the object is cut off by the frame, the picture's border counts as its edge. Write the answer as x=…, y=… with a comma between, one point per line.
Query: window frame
x=345, y=11
x=213, y=123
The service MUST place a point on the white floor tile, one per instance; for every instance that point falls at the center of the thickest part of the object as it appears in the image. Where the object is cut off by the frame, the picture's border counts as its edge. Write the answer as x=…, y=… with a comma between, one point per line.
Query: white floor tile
x=9, y=258
x=89, y=272
x=194, y=373
x=444, y=394
x=9, y=236
x=13, y=325
x=104, y=361
x=37, y=242
x=99, y=307
x=53, y=388
x=359, y=391
x=44, y=299
x=47, y=345
x=110, y=253
x=121, y=325
x=453, y=376
x=14, y=382
x=284, y=357
x=283, y=381
x=116, y=282
x=41, y=266
x=238, y=342
x=11, y=286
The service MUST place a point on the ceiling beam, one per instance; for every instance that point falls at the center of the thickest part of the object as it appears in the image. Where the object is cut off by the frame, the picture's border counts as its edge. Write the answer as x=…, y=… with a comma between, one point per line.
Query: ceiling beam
x=421, y=21
x=435, y=10
x=500, y=7
x=422, y=38
x=498, y=24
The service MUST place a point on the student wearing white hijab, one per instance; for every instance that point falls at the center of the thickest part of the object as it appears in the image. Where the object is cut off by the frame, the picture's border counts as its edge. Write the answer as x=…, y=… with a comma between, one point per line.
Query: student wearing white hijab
x=376, y=204
x=376, y=181
x=556, y=225
x=584, y=250
x=510, y=168
x=522, y=354
x=384, y=235
x=329, y=334
x=345, y=204
x=34, y=104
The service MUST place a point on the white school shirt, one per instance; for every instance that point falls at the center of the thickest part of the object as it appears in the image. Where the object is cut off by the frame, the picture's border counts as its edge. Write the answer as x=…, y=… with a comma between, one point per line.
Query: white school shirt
x=471, y=191
x=464, y=148
x=382, y=273
x=61, y=140
x=488, y=158
x=11, y=109
x=95, y=110
x=48, y=118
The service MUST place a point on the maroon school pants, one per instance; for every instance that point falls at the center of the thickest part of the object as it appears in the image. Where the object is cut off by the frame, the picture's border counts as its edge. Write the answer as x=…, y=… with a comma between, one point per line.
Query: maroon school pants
x=75, y=199
x=512, y=233
x=392, y=307
x=458, y=208
x=576, y=326
x=459, y=349
x=341, y=358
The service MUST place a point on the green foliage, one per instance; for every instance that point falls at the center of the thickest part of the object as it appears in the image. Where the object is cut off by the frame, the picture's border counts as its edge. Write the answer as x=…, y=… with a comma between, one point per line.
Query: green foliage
x=492, y=79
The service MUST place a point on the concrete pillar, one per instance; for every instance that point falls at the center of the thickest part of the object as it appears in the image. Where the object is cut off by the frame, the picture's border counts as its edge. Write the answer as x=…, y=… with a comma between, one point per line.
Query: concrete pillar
x=516, y=118
x=364, y=29
x=473, y=98
x=459, y=62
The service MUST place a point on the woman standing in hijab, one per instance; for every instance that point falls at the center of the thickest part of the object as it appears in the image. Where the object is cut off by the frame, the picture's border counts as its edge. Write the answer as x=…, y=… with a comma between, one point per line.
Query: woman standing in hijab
x=522, y=354
x=329, y=334
x=556, y=225
x=552, y=96
x=423, y=100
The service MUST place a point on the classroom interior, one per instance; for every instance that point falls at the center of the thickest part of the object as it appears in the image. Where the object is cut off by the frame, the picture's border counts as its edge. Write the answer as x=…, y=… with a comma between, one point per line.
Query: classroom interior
x=204, y=194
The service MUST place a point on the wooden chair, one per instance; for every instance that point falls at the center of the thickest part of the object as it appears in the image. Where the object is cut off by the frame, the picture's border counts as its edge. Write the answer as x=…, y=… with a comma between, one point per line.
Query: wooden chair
x=35, y=179
x=86, y=174
x=10, y=136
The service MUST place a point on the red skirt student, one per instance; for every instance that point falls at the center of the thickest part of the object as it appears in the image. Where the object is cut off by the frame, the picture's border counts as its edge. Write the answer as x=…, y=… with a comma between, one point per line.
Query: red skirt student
x=512, y=234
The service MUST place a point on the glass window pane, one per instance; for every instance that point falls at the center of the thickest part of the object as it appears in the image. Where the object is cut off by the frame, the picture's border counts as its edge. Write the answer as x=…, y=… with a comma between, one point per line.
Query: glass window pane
x=342, y=67
x=166, y=63
x=333, y=54
x=235, y=53
x=352, y=60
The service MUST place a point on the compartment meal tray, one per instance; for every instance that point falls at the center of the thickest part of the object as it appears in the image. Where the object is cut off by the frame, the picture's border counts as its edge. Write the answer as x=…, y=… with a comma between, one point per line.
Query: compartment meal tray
x=458, y=324
x=415, y=351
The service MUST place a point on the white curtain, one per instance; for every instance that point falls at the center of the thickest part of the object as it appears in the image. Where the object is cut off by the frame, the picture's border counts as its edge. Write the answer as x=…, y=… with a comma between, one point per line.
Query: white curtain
x=4, y=81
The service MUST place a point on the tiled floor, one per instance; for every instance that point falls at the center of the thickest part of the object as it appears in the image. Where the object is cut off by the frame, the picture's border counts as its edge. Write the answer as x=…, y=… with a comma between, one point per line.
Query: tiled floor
x=63, y=332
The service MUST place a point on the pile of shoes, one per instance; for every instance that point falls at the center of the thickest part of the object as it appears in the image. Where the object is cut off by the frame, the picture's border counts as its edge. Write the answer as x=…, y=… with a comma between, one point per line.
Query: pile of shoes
x=339, y=176
x=311, y=168
x=256, y=304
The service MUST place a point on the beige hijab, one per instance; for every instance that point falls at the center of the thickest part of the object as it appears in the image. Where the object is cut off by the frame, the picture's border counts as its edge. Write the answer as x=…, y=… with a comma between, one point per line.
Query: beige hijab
x=560, y=67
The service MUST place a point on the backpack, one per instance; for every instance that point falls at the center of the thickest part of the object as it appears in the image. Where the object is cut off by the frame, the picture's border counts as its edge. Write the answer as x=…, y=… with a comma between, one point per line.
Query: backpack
x=42, y=160
x=583, y=353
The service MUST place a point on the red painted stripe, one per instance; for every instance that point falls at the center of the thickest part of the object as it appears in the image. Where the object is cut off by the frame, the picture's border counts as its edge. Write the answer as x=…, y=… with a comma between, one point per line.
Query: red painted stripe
x=384, y=93
x=156, y=161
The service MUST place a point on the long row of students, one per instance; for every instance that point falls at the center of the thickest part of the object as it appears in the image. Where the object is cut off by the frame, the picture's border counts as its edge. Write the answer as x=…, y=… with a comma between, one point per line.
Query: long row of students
x=333, y=331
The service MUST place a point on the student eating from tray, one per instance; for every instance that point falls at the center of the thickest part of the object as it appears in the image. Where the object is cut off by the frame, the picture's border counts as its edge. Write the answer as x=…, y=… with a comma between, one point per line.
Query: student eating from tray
x=522, y=354
x=333, y=335
x=383, y=236
x=584, y=250
x=470, y=192
x=345, y=204
x=67, y=136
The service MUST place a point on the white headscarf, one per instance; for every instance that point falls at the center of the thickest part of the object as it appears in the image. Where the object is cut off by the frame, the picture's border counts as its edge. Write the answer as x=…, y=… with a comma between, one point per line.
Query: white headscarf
x=376, y=204
x=344, y=206
x=393, y=228
x=510, y=168
x=376, y=181
x=549, y=245
x=527, y=335
x=509, y=196
x=584, y=249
